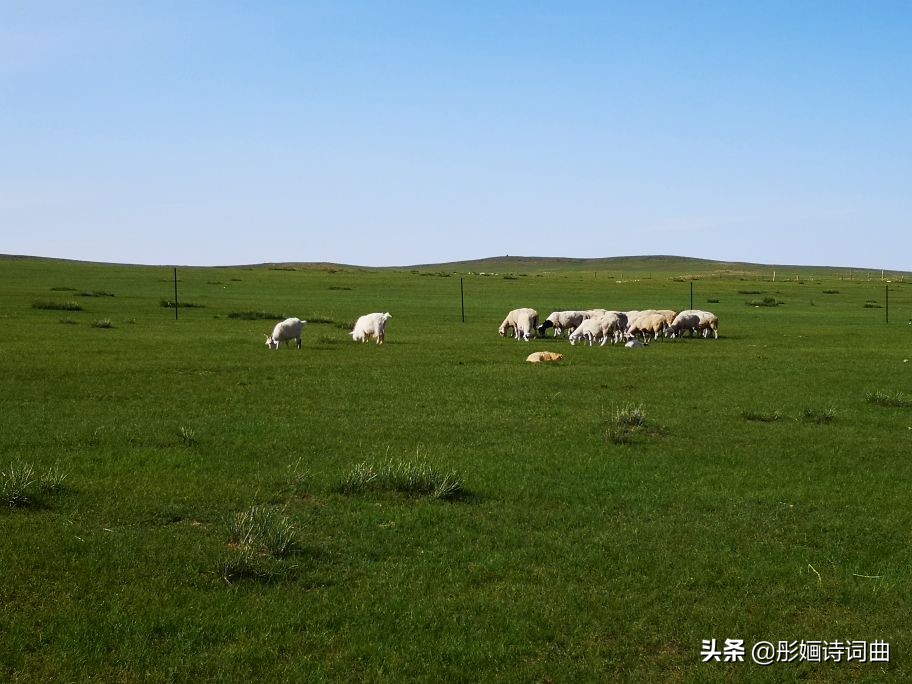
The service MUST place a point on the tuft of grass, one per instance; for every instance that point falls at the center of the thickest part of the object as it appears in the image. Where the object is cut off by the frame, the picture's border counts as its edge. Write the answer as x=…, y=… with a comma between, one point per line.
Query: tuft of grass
x=761, y=416
x=168, y=304
x=338, y=287
x=262, y=531
x=897, y=399
x=21, y=485
x=63, y=289
x=819, y=416
x=96, y=293
x=411, y=478
x=831, y=292
x=102, y=323
x=712, y=301
x=748, y=292
x=627, y=422
x=257, y=315
x=69, y=321
x=187, y=436
x=328, y=339
x=871, y=304
x=766, y=301
x=56, y=306
x=298, y=478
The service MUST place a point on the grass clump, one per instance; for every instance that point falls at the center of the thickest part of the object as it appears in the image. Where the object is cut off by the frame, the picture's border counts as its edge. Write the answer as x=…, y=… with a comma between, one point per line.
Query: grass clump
x=298, y=478
x=831, y=292
x=871, y=304
x=897, y=399
x=56, y=306
x=103, y=323
x=259, y=541
x=627, y=422
x=256, y=315
x=766, y=301
x=338, y=287
x=320, y=319
x=187, y=436
x=748, y=292
x=69, y=321
x=168, y=304
x=21, y=485
x=761, y=416
x=63, y=289
x=712, y=301
x=411, y=478
x=819, y=416
x=96, y=293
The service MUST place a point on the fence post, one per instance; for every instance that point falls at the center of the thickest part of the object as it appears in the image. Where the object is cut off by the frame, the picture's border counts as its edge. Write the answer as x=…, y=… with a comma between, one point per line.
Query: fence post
x=175, y=294
x=887, y=292
x=462, y=299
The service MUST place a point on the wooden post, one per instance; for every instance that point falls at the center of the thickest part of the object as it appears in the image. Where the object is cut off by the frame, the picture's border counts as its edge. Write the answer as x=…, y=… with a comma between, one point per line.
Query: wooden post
x=462, y=299
x=175, y=294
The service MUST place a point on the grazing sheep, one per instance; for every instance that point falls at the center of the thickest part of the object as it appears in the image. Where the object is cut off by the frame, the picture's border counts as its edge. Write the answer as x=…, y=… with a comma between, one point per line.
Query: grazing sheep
x=370, y=325
x=562, y=320
x=709, y=322
x=654, y=323
x=544, y=357
x=587, y=330
x=522, y=322
x=683, y=322
x=287, y=330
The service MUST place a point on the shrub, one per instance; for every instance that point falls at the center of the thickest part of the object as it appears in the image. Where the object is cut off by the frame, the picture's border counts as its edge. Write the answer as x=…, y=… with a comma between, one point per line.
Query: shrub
x=57, y=306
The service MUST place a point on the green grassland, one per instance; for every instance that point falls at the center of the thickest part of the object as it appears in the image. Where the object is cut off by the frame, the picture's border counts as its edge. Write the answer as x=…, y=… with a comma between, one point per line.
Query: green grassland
x=568, y=554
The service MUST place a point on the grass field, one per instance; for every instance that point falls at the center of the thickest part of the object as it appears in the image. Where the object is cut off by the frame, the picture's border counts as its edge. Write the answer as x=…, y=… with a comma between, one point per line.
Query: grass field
x=199, y=508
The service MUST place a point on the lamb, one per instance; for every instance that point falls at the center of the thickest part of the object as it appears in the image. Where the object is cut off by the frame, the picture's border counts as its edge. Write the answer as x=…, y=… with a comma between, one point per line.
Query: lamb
x=636, y=344
x=287, y=330
x=544, y=357
x=562, y=320
x=522, y=322
x=370, y=325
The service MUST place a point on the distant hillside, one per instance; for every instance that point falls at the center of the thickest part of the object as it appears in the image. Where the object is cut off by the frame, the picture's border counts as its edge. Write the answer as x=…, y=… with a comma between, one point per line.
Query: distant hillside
x=650, y=265
x=666, y=265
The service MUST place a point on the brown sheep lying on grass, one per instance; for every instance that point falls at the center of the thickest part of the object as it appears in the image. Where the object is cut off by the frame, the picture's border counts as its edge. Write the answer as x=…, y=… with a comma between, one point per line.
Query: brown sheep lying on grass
x=544, y=356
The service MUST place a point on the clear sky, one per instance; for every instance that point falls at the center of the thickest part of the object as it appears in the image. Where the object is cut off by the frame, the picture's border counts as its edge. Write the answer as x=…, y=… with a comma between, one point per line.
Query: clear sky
x=394, y=133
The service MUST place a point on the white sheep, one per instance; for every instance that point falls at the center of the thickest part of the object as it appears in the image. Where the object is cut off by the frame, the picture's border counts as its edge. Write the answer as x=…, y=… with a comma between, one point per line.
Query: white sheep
x=287, y=330
x=709, y=322
x=654, y=323
x=683, y=322
x=370, y=325
x=522, y=322
x=562, y=320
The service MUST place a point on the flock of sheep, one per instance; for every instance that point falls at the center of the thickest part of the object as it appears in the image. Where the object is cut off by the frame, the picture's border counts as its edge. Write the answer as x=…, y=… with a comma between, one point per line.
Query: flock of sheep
x=602, y=326
x=372, y=325
x=591, y=325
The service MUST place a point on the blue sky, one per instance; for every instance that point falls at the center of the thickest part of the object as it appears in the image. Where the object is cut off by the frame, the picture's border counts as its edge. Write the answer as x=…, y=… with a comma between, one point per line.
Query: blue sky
x=395, y=133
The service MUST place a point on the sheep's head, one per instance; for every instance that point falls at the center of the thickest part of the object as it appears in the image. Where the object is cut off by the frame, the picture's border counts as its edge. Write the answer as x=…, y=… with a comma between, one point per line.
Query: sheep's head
x=271, y=343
